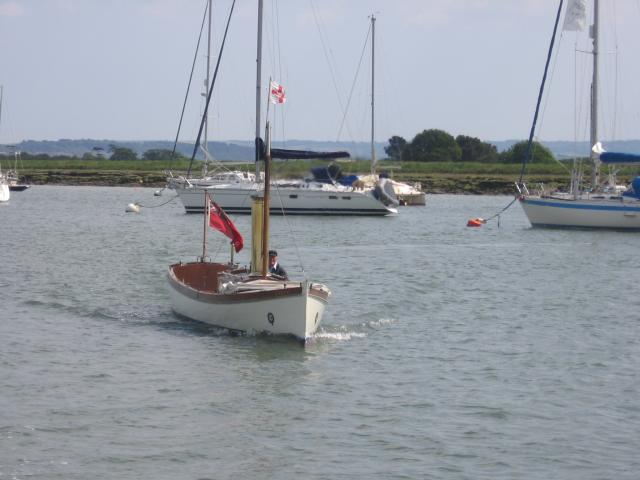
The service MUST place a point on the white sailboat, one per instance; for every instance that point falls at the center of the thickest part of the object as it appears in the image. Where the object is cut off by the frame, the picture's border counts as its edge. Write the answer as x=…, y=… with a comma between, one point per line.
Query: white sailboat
x=14, y=178
x=250, y=300
x=247, y=300
x=219, y=175
x=599, y=205
x=406, y=193
x=313, y=196
x=5, y=193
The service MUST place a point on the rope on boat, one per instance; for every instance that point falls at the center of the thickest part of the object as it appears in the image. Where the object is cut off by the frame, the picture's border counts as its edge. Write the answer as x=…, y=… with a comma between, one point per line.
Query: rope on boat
x=478, y=222
x=159, y=205
x=295, y=243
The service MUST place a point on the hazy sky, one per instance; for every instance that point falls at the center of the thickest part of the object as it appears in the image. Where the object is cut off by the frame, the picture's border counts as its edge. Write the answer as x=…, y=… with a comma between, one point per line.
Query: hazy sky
x=118, y=69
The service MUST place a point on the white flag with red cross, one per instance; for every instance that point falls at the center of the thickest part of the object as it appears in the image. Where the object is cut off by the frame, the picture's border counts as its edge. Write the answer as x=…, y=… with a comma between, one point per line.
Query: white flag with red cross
x=276, y=93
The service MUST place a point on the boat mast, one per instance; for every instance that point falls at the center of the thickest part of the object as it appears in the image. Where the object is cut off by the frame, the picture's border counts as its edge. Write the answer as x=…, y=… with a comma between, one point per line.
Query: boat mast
x=593, y=136
x=205, y=222
x=260, y=207
x=373, y=70
x=265, y=214
x=258, y=87
x=206, y=88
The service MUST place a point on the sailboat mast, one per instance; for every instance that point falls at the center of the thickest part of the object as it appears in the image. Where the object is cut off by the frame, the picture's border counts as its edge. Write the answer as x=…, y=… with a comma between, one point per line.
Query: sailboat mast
x=258, y=86
x=593, y=137
x=205, y=221
x=267, y=191
x=206, y=83
x=373, y=71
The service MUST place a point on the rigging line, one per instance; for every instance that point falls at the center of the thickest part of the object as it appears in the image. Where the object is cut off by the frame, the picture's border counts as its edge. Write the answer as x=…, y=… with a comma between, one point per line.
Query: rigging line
x=527, y=157
x=186, y=96
x=328, y=59
x=273, y=35
x=213, y=82
x=615, y=72
x=295, y=243
x=535, y=117
x=547, y=94
x=353, y=85
x=278, y=52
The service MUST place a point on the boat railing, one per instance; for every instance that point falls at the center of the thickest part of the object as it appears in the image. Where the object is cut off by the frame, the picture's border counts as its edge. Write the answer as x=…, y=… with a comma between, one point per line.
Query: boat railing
x=522, y=188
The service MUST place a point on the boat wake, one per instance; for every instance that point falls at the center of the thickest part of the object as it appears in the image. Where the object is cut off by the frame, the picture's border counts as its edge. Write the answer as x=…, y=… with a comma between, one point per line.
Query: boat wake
x=345, y=333
x=338, y=336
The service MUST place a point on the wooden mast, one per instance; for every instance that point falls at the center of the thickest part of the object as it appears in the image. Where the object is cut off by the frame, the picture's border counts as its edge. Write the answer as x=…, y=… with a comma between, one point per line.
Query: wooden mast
x=204, y=230
x=265, y=214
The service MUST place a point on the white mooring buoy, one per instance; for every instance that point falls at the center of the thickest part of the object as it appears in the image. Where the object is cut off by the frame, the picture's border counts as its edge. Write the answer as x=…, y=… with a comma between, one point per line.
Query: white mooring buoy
x=158, y=193
x=132, y=208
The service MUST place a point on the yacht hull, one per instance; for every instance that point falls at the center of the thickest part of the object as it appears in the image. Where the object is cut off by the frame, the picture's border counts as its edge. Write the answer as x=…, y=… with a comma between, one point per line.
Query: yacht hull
x=287, y=200
x=608, y=213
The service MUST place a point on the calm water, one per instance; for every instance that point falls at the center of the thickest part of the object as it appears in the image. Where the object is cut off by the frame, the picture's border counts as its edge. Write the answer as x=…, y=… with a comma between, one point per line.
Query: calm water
x=446, y=352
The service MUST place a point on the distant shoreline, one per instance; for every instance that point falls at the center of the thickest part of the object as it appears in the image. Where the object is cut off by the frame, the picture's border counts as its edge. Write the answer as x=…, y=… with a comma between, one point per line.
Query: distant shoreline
x=469, y=184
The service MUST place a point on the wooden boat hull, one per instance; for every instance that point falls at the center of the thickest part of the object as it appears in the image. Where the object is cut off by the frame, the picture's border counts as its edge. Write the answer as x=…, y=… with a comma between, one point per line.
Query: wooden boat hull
x=260, y=306
x=606, y=213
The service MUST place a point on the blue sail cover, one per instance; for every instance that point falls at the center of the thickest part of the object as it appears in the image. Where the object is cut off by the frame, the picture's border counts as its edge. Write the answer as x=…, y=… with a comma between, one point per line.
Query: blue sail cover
x=620, y=158
x=634, y=191
x=285, y=154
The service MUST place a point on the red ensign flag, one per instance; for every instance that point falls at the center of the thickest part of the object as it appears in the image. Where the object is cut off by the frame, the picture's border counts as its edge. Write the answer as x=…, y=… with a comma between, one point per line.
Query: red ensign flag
x=219, y=220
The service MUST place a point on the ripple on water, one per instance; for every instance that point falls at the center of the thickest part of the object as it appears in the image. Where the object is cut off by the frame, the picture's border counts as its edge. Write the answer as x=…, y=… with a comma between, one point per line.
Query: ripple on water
x=444, y=353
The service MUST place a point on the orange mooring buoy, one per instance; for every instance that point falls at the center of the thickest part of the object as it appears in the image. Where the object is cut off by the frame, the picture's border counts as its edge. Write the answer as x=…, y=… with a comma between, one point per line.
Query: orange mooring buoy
x=476, y=222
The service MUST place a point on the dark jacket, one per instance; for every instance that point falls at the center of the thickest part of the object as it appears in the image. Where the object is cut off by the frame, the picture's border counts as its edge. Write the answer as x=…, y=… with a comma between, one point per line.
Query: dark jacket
x=279, y=271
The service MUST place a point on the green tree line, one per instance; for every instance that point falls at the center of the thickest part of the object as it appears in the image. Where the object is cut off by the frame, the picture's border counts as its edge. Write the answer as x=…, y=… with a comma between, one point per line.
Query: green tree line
x=439, y=146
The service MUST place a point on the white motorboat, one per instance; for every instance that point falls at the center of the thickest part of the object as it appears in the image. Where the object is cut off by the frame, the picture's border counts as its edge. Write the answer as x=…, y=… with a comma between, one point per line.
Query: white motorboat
x=599, y=205
x=404, y=193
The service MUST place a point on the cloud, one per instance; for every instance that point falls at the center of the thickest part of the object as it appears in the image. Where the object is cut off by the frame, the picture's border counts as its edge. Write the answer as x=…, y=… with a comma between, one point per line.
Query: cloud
x=11, y=9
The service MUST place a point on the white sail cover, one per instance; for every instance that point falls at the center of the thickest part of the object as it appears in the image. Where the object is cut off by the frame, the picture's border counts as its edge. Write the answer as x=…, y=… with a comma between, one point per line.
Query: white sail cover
x=575, y=18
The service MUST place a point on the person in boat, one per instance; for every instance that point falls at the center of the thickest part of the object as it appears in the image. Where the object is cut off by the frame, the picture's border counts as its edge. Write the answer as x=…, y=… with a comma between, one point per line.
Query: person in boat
x=275, y=268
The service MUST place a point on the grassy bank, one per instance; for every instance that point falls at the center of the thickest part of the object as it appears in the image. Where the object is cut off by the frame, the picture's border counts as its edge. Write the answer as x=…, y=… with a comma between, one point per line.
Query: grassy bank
x=445, y=177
